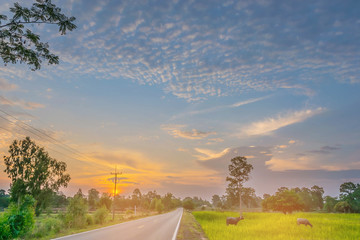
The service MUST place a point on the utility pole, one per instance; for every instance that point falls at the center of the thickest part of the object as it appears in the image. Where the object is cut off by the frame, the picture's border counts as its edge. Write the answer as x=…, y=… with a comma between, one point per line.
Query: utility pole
x=113, y=207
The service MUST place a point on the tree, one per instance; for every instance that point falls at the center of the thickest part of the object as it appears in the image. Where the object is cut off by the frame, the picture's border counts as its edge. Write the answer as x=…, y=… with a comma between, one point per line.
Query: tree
x=343, y=207
x=32, y=171
x=188, y=204
x=76, y=211
x=58, y=200
x=20, y=44
x=4, y=200
x=216, y=201
x=286, y=201
x=350, y=193
x=317, y=194
x=136, y=197
x=239, y=171
x=93, y=198
x=105, y=200
x=167, y=201
x=330, y=203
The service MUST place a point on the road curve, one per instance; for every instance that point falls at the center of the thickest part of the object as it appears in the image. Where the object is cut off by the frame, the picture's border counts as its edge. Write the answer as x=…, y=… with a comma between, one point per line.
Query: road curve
x=159, y=227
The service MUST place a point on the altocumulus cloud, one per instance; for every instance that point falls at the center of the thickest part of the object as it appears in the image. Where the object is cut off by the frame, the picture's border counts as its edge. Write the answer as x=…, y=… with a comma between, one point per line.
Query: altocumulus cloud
x=194, y=54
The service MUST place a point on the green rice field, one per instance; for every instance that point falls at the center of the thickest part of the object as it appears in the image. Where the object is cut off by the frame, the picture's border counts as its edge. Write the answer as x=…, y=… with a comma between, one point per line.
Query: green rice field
x=259, y=225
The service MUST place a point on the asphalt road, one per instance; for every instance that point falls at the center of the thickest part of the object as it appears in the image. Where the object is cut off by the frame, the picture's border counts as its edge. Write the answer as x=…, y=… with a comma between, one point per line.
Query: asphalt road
x=159, y=227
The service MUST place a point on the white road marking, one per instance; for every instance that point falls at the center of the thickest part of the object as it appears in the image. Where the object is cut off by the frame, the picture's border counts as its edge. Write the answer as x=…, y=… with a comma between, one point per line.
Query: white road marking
x=177, y=227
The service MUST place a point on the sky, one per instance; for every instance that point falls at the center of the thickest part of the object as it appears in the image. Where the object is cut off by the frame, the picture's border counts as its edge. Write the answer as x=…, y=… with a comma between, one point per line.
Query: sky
x=170, y=91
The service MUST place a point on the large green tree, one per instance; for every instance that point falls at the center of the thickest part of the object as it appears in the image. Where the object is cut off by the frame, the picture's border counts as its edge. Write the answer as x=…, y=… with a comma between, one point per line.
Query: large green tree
x=350, y=193
x=239, y=171
x=20, y=44
x=32, y=171
x=284, y=200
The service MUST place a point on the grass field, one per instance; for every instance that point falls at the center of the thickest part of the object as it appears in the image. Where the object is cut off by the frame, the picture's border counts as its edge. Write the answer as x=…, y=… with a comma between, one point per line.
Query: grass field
x=326, y=226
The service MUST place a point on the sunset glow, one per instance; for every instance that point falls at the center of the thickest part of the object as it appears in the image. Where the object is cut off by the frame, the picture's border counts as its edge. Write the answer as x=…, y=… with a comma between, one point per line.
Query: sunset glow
x=170, y=91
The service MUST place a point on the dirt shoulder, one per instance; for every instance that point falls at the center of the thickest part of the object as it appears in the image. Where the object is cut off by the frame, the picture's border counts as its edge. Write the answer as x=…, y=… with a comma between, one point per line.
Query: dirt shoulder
x=190, y=229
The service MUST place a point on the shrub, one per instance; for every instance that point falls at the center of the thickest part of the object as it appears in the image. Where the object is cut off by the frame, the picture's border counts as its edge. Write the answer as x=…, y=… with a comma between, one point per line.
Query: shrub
x=101, y=215
x=188, y=205
x=89, y=219
x=129, y=211
x=16, y=221
x=47, y=226
x=159, y=206
x=76, y=212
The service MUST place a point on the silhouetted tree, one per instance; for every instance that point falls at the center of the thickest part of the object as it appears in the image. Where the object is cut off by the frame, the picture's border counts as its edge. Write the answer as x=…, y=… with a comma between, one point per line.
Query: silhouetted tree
x=239, y=171
x=20, y=44
x=93, y=198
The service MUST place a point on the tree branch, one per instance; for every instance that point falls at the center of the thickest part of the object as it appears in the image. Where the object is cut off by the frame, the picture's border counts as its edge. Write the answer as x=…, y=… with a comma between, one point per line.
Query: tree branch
x=8, y=24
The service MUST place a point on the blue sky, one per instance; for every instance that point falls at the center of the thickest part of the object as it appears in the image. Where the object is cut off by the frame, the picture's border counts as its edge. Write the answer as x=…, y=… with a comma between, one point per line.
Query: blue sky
x=169, y=91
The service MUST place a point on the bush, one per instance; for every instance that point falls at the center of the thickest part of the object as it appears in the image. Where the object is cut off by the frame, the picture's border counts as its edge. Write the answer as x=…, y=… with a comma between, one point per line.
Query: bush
x=101, y=215
x=47, y=226
x=188, y=205
x=159, y=206
x=89, y=220
x=76, y=213
x=129, y=211
x=16, y=221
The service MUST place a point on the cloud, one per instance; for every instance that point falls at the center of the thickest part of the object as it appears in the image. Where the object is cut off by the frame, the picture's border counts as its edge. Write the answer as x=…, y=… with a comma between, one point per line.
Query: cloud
x=270, y=125
x=118, y=179
x=189, y=53
x=325, y=150
x=207, y=154
x=130, y=182
x=175, y=130
x=6, y=86
x=298, y=163
x=219, y=108
x=300, y=90
x=21, y=103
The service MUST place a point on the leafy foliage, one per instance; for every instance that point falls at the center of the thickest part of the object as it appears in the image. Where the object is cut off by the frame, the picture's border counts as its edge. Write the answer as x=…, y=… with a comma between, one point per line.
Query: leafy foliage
x=93, y=198
x=188, y=204
x=239, y=171
x=4, y=199
x=159, y=206
x=32, y=171
x=20, y=44
x=17, y=220
x=76, y=212
x=101, y=214
x=330, y=203
x=284, y=200
x=350, y=193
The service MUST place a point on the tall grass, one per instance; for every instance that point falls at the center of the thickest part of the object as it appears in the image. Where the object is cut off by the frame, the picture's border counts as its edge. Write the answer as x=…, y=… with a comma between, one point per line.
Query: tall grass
x=326, y=226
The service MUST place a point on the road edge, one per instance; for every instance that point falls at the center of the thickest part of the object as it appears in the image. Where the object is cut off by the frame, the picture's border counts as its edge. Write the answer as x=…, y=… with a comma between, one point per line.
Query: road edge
x=178, y=225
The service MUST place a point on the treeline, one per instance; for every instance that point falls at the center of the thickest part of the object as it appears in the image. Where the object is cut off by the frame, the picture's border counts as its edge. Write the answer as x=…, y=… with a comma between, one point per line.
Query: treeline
x=231, y=198
x=295, y=199
x=288, y=200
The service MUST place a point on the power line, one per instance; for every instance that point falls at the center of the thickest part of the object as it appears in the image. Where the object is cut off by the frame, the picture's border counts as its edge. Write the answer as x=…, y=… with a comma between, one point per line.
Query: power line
x=46, y=147
x=62, y=145
x=66, y=147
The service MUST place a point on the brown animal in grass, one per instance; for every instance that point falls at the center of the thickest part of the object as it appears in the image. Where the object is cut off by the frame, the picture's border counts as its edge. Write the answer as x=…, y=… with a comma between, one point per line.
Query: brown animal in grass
x=233, y=221
x=303, y=221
